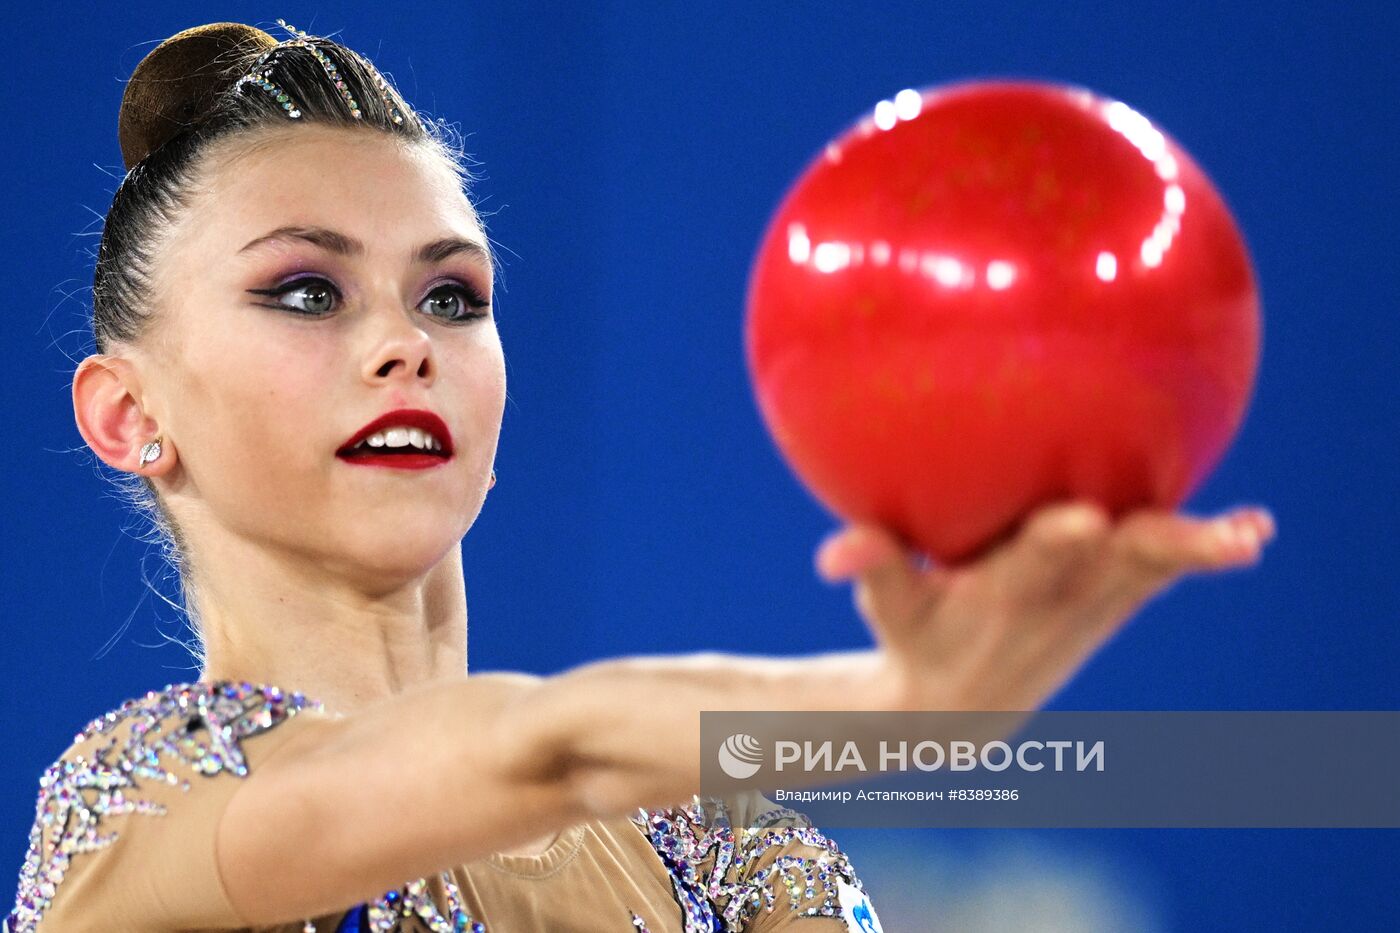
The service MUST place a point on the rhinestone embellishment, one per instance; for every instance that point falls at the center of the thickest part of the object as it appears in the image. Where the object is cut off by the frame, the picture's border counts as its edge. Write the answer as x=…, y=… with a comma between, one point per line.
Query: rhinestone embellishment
x=714, y=870
x=200, y=726
x=150, y=451
x=261, y=76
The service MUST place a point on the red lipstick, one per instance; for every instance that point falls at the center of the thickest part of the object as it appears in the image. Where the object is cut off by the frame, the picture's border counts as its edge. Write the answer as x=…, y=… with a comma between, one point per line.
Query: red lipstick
x=415, y=459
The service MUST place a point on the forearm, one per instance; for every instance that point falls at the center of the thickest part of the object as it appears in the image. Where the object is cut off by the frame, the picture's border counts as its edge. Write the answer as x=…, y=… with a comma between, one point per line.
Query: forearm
x=626, y=731
x=456, y=769
x=396, y=790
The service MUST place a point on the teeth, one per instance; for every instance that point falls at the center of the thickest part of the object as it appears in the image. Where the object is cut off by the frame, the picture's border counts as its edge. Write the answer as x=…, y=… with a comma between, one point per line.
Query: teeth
x=402, y=437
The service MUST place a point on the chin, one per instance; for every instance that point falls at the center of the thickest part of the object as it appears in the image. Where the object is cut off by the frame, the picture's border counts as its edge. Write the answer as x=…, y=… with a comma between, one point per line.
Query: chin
x=393, y=555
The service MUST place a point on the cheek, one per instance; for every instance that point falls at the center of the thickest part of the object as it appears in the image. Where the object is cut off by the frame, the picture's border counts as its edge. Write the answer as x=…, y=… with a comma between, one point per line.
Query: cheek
x=478, y=371
x=259, y=412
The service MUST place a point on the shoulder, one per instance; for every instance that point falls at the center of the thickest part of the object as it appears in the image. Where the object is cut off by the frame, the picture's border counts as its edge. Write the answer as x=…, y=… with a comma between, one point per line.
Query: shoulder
x=174, y=753
x=759, y=864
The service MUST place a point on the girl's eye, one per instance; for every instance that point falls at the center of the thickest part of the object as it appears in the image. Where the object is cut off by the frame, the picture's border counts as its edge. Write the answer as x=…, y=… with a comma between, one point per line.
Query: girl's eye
x=454, y=300
x=316, y=294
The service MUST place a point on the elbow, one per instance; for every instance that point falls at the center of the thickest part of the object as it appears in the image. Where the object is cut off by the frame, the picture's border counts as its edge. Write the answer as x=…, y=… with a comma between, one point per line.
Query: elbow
x=601, y=793
x=534, y=744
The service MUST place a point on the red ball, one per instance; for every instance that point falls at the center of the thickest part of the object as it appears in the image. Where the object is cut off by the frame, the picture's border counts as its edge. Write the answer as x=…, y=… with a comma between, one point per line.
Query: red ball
x=993, y=295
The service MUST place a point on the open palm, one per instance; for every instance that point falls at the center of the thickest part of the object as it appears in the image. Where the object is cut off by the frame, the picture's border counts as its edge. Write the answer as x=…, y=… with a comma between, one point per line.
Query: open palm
x=1005, y=631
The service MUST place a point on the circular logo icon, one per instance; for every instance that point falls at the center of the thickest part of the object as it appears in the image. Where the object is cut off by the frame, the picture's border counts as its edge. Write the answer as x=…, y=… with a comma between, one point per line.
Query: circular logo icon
x=740, y=756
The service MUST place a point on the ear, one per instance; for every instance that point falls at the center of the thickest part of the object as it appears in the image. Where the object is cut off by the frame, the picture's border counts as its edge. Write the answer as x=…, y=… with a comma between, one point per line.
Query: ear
x=107, y=409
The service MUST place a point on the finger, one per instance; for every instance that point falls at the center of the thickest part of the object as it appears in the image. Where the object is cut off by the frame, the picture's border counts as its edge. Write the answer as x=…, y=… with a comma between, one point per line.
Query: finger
x=1165, y=545
x=890, y=587
x=1055, y=547
x=1262, y=520
x=1145, y=554
x=854, y=549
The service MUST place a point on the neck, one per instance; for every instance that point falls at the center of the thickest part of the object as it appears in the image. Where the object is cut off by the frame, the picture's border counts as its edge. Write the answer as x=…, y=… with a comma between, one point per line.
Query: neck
x=287, y=622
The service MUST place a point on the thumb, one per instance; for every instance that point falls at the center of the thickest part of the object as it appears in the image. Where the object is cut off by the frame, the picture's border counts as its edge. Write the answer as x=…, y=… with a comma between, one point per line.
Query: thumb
x=868, y=551
x=888, y=586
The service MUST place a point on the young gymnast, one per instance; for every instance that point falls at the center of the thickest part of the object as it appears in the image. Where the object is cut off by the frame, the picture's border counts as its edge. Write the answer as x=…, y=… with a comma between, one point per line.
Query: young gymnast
x=298, y=364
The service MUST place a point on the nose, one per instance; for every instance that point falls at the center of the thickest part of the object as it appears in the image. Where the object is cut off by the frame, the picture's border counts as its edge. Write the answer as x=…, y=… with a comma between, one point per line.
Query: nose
x=404, y=352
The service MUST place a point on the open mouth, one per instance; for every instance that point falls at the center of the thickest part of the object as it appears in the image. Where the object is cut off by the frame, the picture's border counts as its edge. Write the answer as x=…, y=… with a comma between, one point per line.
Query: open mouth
x=408, y=448
x=397, y=442
x=406, y=437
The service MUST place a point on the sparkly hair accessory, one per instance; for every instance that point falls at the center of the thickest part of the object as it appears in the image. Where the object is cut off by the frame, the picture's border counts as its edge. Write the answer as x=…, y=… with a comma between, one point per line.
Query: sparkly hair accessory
x=180, y=81
x=260, y=78
x=262, y=71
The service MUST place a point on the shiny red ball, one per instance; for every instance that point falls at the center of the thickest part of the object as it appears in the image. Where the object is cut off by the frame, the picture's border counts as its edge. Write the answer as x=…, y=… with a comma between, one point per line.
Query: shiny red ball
x=992, y=295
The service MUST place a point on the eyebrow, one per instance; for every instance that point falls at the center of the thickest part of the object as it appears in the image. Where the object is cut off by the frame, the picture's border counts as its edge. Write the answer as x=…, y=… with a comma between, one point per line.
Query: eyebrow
x=344, y=245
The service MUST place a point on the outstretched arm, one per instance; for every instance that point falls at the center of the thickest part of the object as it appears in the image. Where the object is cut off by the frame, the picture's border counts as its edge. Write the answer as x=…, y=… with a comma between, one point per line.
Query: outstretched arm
x=453, y=771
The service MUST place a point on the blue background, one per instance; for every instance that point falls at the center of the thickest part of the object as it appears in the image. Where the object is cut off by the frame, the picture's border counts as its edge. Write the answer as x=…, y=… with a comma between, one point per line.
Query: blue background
x=632, y=154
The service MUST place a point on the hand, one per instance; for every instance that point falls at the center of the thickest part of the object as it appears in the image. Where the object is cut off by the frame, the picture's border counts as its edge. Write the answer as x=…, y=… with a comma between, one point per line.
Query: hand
x=1007, y=630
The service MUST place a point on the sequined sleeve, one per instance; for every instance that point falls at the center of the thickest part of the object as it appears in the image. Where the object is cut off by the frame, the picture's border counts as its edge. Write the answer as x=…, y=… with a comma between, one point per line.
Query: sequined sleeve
x=123, y=835
x=743, y=864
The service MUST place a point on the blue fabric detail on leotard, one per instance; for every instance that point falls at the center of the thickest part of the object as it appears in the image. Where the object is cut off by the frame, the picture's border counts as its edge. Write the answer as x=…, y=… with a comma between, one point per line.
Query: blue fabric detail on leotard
x=356, y=921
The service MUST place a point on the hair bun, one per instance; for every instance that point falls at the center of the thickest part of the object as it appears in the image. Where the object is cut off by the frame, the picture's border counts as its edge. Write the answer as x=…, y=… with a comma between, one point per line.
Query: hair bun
x=178, y=81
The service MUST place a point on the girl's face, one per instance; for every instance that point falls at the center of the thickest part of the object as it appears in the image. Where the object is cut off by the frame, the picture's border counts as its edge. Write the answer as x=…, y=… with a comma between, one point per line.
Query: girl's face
x=273, y=349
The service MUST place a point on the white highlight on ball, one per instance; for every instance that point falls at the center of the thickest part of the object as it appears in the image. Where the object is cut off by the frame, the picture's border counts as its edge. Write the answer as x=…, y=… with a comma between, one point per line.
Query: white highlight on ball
x=885, y=116
x=908, y=103
x=831, y=256
x=799, y=244
x=1000, y=274
x=1106, y=266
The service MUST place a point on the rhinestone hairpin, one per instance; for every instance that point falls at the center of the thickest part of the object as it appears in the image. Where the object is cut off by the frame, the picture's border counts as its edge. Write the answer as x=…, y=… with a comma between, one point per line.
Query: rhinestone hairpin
x=304, y=40
x=261, y=74
x=266, y=61
x=394, y=112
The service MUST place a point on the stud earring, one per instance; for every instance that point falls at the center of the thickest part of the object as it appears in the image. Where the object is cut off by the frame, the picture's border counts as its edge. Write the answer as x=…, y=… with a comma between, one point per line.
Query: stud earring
x=493, y=480
x=149, y=452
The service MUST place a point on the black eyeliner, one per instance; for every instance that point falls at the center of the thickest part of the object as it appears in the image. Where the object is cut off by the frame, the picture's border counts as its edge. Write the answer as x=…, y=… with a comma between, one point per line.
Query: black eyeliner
x=468, y=293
